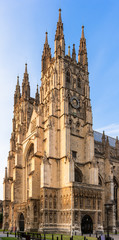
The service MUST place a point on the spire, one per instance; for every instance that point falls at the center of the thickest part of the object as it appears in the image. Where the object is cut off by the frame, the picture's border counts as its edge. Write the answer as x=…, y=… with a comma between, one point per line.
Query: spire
x=59, y=38
x=25, y=85
x=82, y=56
x=37, y=96
x=17, y=94
x=73, y=53
x=46, y=56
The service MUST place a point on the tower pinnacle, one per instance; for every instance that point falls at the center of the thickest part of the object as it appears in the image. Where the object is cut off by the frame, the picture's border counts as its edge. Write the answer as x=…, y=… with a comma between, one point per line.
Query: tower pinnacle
x=60, y=15
x=25, y=85
x=37, y=96
x=82, y=55
x=74, y=53
x=25, y=67
x=69, y=51
x=82, y=35
x=59, y=31
x=46, y=38
x=46, y=56
x=59, y=38
x=17, y=94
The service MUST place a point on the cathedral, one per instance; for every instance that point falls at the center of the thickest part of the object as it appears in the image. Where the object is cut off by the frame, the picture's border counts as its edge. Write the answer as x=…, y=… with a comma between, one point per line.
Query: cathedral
x=61, y=175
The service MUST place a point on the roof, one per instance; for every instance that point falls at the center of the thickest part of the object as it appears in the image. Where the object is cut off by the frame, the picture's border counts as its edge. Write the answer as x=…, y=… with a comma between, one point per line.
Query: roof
x=98, y=138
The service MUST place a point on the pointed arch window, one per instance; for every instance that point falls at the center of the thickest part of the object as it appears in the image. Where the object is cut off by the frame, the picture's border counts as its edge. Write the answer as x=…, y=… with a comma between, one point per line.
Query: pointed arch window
x=68, y=76
x=29, y=156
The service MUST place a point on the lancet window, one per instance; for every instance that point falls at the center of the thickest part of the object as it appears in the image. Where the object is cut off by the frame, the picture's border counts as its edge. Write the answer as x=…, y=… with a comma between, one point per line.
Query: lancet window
x=29, y=165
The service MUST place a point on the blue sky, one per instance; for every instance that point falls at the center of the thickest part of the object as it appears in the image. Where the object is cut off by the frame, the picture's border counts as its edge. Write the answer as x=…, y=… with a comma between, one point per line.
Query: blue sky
x=22, y=34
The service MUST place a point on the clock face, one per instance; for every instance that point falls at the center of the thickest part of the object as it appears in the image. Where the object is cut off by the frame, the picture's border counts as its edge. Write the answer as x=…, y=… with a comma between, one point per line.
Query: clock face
x=74, y=102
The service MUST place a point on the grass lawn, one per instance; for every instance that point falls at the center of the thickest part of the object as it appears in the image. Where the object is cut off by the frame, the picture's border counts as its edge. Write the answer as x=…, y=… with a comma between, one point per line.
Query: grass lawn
x=67, y=237
x=8, y=238
x=49, y=237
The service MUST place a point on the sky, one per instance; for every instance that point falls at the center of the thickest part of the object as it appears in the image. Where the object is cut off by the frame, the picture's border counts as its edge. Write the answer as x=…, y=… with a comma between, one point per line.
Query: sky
x=23, y=25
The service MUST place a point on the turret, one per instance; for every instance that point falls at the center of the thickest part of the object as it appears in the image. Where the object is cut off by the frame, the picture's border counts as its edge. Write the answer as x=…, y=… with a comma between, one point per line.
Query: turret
x=25, y=85
x=17, y=94
x=59, y=38
x=82, y=55
x=46, y=56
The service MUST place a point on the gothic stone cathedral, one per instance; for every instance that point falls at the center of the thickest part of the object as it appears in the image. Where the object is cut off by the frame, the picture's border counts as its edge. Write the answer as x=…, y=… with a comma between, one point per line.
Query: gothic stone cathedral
x=60, y=174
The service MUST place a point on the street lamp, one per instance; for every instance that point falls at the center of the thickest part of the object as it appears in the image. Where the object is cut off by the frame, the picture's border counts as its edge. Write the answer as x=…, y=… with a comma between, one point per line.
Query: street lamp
x=108, y=206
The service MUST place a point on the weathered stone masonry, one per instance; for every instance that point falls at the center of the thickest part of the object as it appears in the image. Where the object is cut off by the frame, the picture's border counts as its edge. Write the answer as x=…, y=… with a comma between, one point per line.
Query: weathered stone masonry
x=60, y=173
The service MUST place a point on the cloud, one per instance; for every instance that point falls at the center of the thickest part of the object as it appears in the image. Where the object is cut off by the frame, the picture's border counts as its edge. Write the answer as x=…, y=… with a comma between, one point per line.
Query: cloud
x=111, y=130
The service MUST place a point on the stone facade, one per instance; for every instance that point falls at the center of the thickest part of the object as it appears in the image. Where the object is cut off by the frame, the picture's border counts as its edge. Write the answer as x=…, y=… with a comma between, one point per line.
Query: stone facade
x=60, y=173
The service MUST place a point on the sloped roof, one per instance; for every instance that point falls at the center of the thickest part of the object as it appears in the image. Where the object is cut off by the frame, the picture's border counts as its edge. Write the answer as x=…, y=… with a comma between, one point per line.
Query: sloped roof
x=98, y=138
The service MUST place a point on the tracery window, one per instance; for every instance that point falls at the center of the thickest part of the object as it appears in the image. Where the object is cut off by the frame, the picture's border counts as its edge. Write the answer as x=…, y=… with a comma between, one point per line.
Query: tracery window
x=68, y=76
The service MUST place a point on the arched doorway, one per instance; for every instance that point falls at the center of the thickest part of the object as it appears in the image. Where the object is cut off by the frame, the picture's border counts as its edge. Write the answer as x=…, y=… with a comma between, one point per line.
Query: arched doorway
x=21, y=222
x=87, y=224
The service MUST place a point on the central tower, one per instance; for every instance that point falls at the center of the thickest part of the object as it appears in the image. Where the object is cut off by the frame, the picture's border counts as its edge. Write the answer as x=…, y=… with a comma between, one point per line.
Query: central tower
x=51, y=166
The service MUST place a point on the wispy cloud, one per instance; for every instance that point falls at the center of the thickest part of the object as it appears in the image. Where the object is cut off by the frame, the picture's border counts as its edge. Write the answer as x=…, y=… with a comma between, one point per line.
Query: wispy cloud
x=111, y=130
